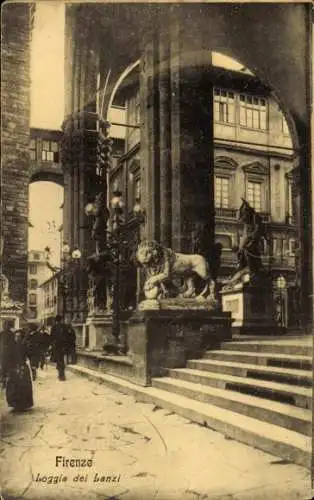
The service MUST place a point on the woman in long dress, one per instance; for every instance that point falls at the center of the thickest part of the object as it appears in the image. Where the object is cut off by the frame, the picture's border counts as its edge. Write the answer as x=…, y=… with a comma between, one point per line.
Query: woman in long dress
x=17, y=373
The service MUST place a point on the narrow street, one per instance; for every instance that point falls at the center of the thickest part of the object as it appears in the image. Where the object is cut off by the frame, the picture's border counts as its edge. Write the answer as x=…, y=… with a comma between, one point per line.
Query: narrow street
x=129, y=450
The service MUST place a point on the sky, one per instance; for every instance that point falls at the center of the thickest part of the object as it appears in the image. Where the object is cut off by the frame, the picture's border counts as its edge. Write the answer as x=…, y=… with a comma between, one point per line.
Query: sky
x=47, y=65
x=46, y=217
x=47, y=111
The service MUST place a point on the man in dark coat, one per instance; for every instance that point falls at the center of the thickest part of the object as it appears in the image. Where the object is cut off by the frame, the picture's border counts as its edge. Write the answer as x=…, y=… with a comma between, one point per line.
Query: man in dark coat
x=44, y=340
x=15, y=372
x=32, y=343
x=59, y=345
x=71, y=344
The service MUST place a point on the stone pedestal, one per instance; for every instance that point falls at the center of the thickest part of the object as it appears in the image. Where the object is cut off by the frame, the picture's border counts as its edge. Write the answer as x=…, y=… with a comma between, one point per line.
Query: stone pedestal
x=167, y=338
x=252, y=307
x=97, y=328
x=98, y=332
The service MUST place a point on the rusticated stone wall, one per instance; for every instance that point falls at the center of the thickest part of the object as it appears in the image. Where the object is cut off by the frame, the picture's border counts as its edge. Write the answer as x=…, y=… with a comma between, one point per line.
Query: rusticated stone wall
x=15, y=116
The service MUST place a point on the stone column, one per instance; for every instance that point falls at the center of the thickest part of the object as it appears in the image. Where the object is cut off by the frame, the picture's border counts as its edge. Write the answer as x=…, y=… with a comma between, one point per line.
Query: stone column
x=177, y=132
x=306, y=241
x=191, y=136
x=165, y=134
x=150, y=134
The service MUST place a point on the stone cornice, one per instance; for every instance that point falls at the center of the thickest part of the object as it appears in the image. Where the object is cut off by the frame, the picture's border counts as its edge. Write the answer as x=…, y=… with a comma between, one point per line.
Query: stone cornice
x=249, y=149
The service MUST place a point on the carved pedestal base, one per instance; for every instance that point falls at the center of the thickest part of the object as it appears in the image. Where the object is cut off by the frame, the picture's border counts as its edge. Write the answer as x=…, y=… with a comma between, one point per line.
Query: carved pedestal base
x=167, y=338
x=197, y=303
x=252, y=307
x=98, y=334
x=95, y=327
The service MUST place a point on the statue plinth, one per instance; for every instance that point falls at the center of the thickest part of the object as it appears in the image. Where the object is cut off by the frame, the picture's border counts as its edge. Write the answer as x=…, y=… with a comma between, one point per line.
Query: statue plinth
x=178, y=303
x=249, y=298
x=174, y=335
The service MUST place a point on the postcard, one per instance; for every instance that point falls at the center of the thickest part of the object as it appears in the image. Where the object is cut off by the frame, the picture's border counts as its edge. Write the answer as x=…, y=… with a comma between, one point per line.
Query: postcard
x=156, y=250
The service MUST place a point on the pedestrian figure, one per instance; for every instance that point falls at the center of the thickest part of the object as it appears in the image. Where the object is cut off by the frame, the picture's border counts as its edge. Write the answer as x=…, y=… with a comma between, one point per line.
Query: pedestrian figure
x=15, y=371
x=44, y=342
x=71, y=345
x=59, y=345
x=33, y=347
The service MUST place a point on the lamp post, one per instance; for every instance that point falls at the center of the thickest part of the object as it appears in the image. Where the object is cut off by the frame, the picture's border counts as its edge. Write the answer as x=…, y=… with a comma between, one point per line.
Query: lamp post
x=281, y=285
x=111, y=252
x=66, y=258
x=63, y=281
x=117, y=210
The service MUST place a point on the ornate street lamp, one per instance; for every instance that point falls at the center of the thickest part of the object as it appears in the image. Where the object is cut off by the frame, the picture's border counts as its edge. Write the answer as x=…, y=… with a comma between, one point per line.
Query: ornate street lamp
x=138, y=213
x=117, y=211
x=67, y=256
x=76, y=254
x=90, y=209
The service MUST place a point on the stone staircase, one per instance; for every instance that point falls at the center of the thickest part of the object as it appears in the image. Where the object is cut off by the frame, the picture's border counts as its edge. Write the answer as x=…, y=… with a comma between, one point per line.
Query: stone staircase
x=256, y=391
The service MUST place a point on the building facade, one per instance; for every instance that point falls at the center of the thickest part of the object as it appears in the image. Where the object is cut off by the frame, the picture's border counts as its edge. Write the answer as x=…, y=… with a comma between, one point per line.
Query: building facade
x=50, y=300
x=38, y=273
x=45, y=157
x=16, y=27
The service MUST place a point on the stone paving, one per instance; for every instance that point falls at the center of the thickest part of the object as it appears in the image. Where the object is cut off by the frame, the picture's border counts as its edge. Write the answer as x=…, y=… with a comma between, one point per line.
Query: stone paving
x=140, y=451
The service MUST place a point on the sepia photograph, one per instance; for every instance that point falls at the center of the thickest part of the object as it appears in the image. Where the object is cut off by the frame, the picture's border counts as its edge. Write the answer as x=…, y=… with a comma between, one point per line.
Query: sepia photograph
x=157, y=250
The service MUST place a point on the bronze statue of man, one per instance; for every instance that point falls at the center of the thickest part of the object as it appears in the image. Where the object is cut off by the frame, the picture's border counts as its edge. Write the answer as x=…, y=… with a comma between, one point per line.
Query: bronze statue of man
x=249, y=252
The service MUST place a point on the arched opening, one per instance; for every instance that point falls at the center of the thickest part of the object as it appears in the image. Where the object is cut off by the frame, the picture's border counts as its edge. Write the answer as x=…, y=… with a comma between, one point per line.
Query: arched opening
x=124, y=79
x=46, y=217
x=45, y=230
x=255, y=155
x=47, y=176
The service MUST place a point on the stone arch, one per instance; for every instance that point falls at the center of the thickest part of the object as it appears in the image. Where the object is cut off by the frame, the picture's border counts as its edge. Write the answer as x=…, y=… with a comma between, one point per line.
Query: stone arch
x=273, y=67
x=47, y=175
x=282, y=62
x=125, y=73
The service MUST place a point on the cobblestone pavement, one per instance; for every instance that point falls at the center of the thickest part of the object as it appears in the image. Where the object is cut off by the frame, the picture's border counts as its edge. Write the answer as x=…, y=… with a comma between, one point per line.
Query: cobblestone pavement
x=142, y=451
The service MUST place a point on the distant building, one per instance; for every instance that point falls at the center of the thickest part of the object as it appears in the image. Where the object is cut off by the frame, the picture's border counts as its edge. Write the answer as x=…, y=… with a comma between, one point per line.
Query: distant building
x=38, y=272
x=50, y=300
x=45, y=159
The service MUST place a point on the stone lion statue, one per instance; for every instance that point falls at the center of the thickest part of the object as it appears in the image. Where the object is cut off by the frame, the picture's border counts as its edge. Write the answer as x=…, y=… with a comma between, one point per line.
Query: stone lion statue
x=163, y=264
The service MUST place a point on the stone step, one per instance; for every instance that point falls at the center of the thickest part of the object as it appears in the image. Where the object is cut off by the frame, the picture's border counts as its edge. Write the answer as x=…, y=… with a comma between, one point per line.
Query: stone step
x=121, y=366
x=284, y=415
x=286, y=444
x=267, y=359
x=282, y=375
x=275, y=347
x=290, y=394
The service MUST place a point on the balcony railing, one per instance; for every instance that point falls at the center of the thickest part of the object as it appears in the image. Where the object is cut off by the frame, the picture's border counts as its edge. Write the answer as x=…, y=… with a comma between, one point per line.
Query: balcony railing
x=229, y=213
x=229, y=259
x=232, y=213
